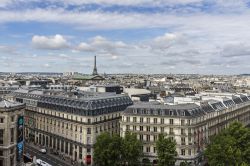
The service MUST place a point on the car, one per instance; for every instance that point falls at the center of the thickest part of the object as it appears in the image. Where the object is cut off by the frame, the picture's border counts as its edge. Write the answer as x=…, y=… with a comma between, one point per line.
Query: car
x=44, y=151
x=42, y=163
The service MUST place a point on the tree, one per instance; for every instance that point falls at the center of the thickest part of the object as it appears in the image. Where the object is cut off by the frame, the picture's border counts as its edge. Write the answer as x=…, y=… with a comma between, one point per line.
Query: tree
x=146, y=162
x=107, y=150
x=166, y=151
x=131, y=149
x=185, y=163
x=114, y=150
x=231, y=147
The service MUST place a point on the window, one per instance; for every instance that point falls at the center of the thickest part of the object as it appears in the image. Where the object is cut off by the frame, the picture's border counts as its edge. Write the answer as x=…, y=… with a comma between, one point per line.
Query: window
x=155, y=120
x=89, y=121
x=171, y=131
x=12, y=160
x=148, y=128
x=12, y=118
x=148, y=149
x=88, y=140
x=182, y=131
x=12, y=150
x=171, y=121
x=141, y=119
x=189, y=152
x=128, y=119
x=148, y=120
x=80, y=152
x=189, y=131
x=183, y=152
x=141, y=137
x=127, y=127
x=134, y=128
x=12, y=135
x=88, y=130
x=189, y=139
x=162, y=121
x=1, y=136
x=183, y=141
x=88, y=150
x=141, y=128
x=155, y=129
x=162, y=129
x=134, y=119
x=1, y=120
x=1, y=153
x=155, y=137
x=148, y=137
x=154, y=149
x=182, y=122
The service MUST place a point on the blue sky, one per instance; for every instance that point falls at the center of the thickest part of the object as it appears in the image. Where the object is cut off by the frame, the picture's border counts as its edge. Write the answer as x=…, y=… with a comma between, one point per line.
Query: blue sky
x=127, y=36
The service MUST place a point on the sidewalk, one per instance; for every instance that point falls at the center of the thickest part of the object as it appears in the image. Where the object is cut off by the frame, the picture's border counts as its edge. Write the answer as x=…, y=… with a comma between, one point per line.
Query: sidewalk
x=62, y=158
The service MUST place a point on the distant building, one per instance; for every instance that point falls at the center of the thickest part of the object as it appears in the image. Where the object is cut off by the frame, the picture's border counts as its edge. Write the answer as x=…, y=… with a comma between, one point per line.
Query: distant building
x=83, y=79
x=107, y=88
x=11, y=132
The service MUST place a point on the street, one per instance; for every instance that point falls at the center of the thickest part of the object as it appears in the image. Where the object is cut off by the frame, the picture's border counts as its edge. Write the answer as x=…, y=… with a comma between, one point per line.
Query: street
x=49, y=158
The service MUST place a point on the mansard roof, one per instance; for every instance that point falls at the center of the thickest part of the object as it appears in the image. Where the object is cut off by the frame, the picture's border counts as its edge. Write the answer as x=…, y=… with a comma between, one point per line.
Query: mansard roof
x=165, y=110
x=189, y=110
x=86, y=101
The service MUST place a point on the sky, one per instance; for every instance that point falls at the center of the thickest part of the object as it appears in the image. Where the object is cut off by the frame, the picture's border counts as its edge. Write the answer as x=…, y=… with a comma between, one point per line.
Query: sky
x=127, y=36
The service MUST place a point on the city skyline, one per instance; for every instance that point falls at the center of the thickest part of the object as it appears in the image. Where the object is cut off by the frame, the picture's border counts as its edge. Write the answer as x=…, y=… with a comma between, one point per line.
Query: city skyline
x=140, y=36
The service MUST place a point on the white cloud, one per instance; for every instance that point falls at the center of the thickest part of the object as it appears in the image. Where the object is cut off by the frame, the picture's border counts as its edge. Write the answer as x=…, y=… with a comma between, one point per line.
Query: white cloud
x=235, y=50
x=116, y=2
x=8, y=49
x=46, y=65
x=84, y=47
x=49, y=42
x=199, y=35
x=101, y=45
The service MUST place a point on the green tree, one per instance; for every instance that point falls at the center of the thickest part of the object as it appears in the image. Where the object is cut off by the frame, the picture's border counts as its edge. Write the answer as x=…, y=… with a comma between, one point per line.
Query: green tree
x=166, y=151
x=231, y=147
x=107, y=150
x=146, y=162
x=185, y=163
x=131, y=149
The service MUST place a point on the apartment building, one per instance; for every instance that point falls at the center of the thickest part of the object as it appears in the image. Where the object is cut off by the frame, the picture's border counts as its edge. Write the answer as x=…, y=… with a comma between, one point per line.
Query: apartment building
x=191, y=125
x=11, y=132
x=70, y=122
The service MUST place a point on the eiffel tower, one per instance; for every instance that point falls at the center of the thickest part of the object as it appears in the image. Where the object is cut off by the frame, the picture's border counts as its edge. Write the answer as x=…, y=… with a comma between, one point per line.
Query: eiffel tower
x=95, y=69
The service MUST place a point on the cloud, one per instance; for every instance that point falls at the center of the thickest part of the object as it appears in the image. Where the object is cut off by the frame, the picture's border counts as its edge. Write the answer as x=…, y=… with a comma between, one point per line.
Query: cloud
x=106, y=2
x=182, y=34
x=102, y=46
x=8, y=49
x=85, y=47
x=235, y=50
x=167, y=40
x=50, y=42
